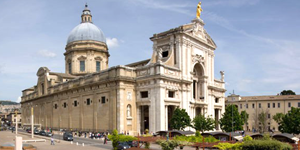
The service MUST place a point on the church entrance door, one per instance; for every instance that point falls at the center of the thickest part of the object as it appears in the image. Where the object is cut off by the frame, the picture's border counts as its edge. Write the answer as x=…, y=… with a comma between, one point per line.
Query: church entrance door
x=144, y=118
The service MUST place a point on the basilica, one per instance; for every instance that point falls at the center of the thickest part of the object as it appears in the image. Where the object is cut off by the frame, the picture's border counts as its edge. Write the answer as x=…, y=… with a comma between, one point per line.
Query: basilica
x=91, y=96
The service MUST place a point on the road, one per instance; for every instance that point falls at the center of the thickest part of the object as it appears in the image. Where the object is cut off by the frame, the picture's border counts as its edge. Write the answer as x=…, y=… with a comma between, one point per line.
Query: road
x=79, y=140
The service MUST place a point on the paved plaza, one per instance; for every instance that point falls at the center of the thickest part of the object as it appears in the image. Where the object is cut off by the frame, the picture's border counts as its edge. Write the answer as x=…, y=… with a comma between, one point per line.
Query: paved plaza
x=8, y=137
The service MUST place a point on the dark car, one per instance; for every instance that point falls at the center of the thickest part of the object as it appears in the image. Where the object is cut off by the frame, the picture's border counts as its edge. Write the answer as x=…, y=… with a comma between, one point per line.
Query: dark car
x=28, y=130
x=43, y=133
x=36, y=131
x=132, y=143
x=122, y=146
x=68, y=136
x=48, y=134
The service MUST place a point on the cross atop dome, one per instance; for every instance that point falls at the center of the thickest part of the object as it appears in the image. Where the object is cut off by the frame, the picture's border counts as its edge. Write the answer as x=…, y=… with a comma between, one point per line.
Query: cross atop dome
x=86, y=15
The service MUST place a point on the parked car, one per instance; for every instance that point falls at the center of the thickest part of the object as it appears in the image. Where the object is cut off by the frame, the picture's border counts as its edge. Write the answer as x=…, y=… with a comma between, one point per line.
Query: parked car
x=42, y=132
x=48, y=134
x=132, y=143
x=28, y=130
x=122, y=146
x=36, y=131
x=68, y=136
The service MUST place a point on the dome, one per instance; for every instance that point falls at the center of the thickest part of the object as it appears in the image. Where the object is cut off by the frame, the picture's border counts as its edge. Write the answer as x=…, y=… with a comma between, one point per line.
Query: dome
x=86, y=31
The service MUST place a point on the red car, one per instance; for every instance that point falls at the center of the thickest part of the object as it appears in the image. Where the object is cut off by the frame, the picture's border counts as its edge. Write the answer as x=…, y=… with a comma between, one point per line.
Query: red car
x=28, y=130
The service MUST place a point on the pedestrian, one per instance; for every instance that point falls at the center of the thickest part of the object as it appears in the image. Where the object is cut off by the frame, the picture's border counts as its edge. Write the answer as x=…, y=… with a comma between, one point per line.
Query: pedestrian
x=105, y=140
x=52, y=141
x=84, y=134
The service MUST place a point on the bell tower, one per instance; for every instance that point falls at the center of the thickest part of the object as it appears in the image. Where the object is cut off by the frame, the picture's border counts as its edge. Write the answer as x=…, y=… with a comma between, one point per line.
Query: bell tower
x=86, y=49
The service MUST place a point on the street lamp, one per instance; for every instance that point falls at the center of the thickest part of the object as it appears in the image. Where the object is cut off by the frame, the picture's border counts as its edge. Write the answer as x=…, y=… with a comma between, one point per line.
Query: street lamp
x=232, y=118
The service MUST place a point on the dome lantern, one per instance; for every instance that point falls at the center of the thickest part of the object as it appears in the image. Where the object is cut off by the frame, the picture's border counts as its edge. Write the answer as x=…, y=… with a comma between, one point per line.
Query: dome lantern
x=86, y=30
x=86, y=15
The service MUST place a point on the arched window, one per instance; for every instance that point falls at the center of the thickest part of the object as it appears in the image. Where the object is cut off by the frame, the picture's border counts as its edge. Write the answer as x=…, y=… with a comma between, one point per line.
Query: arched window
x=198, y=82
x=70, y=67
x=98, y=66
x=82, y=65
x=128, y=110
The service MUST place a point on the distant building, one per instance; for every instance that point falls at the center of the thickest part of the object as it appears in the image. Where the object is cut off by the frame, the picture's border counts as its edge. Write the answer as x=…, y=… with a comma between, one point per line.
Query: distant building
x=272, y=104
x=12, y=118
x=90, y=96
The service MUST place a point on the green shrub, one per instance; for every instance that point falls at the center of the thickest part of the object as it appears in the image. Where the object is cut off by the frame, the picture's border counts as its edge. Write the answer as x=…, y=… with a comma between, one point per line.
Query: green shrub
x=266, y=137
x=182, y=141
x=286, y=146
x=147, y=145
x=265, y=145
x=247, y=138
x=195, y=139
x=225, y=146
x=210, y=139
x=115, y=138
x=168, y=145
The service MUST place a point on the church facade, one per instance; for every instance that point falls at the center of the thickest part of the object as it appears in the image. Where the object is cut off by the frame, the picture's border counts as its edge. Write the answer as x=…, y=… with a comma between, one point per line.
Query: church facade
x=90, y=96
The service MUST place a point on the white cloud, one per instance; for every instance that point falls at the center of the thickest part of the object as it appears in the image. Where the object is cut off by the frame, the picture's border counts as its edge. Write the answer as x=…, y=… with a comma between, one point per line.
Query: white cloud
x=112, y=42
x=46, y=53
x=19, y=99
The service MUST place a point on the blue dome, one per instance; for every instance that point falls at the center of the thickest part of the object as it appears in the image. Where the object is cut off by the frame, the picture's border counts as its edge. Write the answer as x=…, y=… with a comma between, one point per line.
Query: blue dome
x=86, y=31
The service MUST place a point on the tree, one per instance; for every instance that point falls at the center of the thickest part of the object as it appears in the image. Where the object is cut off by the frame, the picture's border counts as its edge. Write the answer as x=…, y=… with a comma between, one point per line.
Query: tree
x=244, y=117
x=287, y=92
x=200, y=123
x=278, y=118
x=231, y=119
x=291, y=122
x=264, y=119
x=180, y=119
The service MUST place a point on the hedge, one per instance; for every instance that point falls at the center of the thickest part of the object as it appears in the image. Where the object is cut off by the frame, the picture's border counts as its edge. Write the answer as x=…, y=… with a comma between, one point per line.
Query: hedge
x=266, y=145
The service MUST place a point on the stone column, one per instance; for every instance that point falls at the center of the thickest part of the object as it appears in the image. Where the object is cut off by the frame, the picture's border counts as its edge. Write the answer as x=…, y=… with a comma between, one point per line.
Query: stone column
x=166, y=117
x=142, y=119
x=81, y=104
x=151, y=118
x=95, y=111
x=138, y=118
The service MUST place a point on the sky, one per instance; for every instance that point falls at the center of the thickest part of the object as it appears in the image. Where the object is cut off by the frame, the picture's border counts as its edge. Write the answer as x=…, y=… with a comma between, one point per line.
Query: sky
x=258, y=42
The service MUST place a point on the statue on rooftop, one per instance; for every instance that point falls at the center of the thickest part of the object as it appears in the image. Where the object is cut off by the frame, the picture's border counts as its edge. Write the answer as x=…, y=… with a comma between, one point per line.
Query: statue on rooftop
x=199, y=10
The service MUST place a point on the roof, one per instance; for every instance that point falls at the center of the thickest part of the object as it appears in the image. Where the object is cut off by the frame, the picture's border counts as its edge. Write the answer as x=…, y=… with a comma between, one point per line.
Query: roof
x=271, y=97
x=64, y=75
x=177, y=131
x=138, y=63
x=234, y=135
x=183, y=132
x=267, y=97
x=86, y=31
x=287, y=135
x=257, y=135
